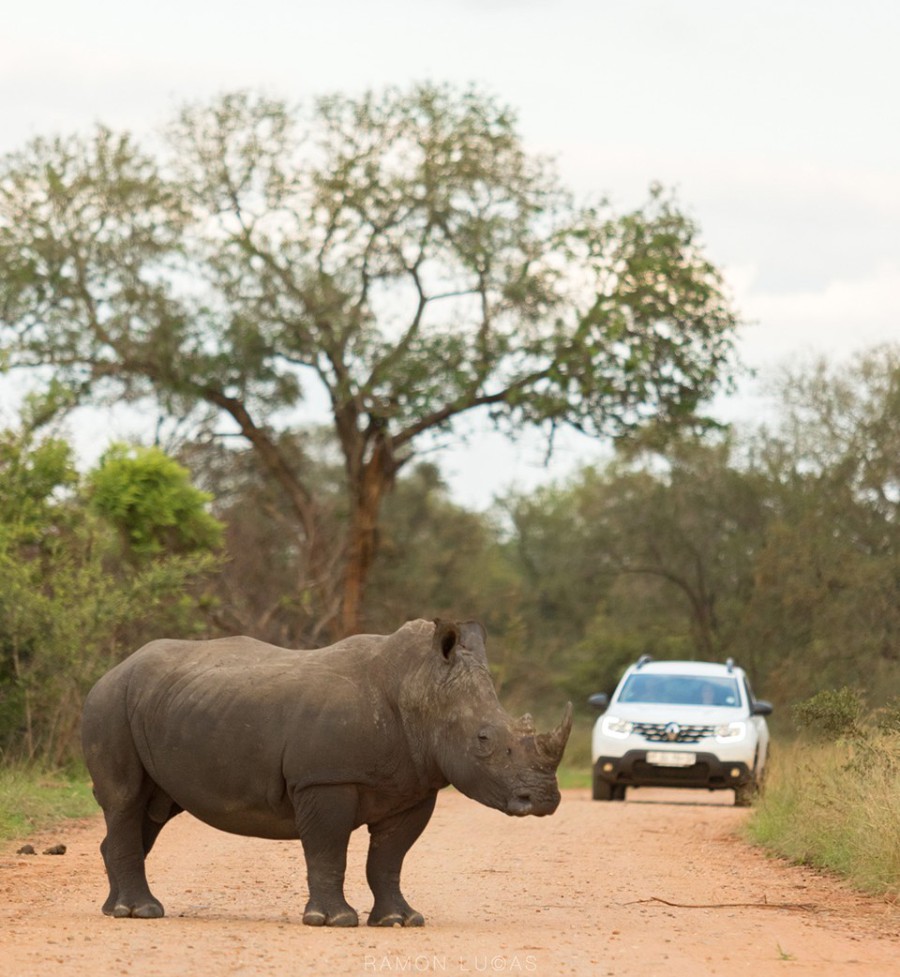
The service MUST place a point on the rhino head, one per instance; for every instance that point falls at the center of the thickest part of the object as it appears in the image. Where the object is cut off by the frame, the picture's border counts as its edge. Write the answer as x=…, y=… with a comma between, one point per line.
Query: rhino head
x=478, y=747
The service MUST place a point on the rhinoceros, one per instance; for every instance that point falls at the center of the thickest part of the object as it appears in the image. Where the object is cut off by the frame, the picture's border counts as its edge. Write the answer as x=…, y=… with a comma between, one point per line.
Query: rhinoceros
x=277, y=743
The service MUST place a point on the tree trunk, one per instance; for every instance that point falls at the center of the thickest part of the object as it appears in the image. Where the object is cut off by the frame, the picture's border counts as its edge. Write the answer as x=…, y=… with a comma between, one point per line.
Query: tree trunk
x=374, y=480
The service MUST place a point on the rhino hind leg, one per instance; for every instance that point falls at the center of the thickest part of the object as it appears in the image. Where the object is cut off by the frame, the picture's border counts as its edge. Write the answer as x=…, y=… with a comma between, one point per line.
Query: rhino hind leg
x=325, y=818
x=135, y=811
x=123, y=851
x=389, y=842
x=134, y=807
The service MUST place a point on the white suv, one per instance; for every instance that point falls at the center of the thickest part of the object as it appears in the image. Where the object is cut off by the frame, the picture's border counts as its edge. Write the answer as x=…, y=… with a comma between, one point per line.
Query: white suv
x=680, y=724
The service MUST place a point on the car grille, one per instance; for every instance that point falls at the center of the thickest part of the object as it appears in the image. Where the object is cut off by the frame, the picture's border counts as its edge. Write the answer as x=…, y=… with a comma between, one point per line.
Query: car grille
x=673, y=776
x=662, y=732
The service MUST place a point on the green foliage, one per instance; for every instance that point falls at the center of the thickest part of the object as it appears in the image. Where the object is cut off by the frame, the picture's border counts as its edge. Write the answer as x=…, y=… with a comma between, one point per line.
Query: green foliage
x=149, y=498
x=30, y=482
x=613, y=641
x=70, y=607
x=575, y=775
x=824, y=610
x=830, y=714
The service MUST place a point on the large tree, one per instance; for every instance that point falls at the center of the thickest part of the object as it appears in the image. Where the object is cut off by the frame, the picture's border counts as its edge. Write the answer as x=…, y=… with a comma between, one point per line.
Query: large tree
x=400, y=252
x=825, y=609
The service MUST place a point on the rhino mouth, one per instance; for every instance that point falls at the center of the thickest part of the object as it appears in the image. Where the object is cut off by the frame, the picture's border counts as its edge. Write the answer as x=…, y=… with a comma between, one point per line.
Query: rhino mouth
x=524, y=803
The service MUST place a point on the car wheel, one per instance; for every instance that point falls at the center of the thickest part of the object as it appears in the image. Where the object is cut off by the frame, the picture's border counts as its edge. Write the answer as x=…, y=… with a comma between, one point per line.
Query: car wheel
x=618, y=792
x=603, y=790
x=745, y=793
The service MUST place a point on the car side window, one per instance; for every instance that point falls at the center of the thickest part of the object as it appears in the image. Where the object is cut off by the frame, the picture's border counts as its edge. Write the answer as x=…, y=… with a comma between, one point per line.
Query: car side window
x=749, y=693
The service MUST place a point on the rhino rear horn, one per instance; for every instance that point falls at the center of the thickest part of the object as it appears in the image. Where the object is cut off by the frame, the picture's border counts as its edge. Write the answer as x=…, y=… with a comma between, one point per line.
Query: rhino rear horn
x=552, y=745
x=525, y=724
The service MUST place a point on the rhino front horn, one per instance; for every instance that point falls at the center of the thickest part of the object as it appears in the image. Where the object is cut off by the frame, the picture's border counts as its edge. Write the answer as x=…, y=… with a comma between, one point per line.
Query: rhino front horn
x=553, y=744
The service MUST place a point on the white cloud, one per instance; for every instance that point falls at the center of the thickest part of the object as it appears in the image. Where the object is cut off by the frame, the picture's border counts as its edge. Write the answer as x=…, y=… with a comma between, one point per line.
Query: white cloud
x=847, y=315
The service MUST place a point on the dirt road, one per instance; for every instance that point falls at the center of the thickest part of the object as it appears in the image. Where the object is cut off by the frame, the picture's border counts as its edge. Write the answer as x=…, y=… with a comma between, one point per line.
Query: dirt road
x=578, y=893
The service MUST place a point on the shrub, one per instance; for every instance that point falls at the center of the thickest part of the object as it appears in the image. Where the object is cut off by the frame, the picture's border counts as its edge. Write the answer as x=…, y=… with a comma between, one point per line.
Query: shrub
x=70, y=605
x=830, y=714
x=887, y=718
x=149, y=498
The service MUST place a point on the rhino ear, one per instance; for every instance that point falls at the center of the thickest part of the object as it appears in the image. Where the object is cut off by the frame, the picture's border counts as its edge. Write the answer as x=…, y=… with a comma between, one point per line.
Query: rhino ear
x=476, y=628
x=446, y=637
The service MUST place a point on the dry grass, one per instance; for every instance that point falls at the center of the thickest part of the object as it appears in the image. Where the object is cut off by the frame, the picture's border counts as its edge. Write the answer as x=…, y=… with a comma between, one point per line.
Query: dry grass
x=836, y=806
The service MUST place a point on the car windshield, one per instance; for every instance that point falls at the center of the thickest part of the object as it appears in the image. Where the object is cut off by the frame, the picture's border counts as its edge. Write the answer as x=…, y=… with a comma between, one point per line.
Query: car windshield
x=681, y=690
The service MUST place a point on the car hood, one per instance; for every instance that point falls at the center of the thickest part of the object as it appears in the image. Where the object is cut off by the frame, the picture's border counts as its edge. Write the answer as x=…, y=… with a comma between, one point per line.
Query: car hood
x=685, y=715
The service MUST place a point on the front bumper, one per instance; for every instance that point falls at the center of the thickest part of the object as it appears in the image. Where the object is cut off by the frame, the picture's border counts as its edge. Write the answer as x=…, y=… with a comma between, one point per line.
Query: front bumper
x=707, y=771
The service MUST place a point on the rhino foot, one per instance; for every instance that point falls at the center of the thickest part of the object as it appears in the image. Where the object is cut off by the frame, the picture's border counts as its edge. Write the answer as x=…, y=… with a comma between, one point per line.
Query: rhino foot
x=345, y=917
x=410, y=918
x=151, y=909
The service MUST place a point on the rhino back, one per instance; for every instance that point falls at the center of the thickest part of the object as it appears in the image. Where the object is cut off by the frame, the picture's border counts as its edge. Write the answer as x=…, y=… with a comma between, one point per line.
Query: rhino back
x=229, y=727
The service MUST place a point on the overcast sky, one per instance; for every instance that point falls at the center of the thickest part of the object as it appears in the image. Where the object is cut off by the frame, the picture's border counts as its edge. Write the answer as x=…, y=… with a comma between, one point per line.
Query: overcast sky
x=776, y=122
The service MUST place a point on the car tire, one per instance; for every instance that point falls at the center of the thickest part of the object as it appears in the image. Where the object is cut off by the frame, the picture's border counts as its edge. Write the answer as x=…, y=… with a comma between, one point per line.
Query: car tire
x=603, y=790
x=618, y=792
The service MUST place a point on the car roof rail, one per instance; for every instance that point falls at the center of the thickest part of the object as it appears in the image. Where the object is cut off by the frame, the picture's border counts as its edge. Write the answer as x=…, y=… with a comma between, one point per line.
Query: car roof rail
x=643, y=660
x=729, y=664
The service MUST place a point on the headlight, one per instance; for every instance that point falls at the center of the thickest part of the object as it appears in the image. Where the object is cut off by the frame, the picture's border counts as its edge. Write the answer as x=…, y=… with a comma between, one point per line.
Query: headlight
x=731, y=731
x=619, y=728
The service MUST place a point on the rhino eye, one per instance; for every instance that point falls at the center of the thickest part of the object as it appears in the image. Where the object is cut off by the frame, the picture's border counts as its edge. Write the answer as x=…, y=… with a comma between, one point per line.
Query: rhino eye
x=485, y=742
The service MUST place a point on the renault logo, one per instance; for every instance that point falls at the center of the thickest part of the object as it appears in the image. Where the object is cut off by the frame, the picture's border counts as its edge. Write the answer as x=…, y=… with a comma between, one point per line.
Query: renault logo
x=672, y=731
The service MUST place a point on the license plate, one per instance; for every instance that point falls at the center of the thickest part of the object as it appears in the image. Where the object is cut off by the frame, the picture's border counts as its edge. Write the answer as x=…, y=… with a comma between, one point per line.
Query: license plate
x=666, y=758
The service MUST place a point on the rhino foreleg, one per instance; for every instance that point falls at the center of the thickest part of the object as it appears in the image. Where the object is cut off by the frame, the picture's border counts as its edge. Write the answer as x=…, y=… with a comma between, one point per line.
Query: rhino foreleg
x=325, y=819
x=390, y=840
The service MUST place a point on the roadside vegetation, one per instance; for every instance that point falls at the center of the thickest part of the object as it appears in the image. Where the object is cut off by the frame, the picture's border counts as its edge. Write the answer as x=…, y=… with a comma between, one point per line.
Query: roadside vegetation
x=832, y=799
x=91, y=567
x=32, y=798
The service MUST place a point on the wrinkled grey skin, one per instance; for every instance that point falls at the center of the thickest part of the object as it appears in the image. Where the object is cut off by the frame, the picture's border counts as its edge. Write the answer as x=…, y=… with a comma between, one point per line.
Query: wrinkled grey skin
x=264, y=741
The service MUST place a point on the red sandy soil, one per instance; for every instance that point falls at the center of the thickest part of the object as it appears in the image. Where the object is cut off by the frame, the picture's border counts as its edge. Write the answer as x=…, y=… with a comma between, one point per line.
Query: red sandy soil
x=660, y=884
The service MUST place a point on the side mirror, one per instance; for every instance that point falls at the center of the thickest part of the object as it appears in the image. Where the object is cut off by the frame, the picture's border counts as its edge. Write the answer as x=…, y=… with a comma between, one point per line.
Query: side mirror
x=599, y=700
x=761, y=708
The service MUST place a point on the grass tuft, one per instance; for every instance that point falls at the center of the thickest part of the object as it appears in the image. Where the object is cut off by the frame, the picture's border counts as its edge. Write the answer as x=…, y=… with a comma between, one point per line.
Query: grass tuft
x=32, y=799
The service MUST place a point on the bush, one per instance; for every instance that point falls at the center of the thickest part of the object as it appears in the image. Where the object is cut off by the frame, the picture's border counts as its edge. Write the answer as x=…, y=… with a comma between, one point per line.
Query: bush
x=149, y=498
x=70, y=605
x=830, y=714
x=887, y=719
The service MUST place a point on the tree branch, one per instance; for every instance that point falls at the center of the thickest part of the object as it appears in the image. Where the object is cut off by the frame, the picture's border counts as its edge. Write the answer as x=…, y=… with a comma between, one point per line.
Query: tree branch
x=463, y=404
x=273, y=459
